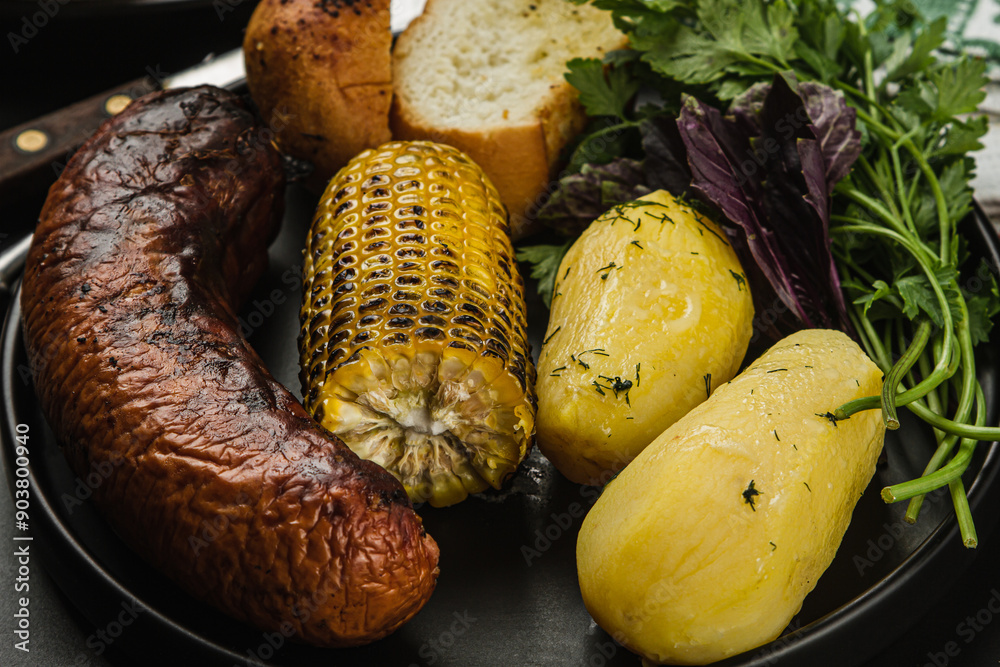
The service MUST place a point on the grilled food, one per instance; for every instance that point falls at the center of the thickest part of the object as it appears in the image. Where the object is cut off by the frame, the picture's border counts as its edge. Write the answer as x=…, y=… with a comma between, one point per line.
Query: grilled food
x=708, y=542
x=651, y=312
x=321, y=75
x=413, y=346
x=148, y=241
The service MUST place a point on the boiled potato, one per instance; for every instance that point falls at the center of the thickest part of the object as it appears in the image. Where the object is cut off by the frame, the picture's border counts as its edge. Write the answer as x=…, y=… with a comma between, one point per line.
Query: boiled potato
x=707, y=543
x=651, y=312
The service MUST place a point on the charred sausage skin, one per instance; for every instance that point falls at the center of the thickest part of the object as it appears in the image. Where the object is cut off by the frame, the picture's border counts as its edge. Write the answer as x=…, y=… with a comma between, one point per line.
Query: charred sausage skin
x=147, y=243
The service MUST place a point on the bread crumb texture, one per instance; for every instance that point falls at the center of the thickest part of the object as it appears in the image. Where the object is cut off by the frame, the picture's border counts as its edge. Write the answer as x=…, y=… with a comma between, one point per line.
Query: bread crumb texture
x=497, y=57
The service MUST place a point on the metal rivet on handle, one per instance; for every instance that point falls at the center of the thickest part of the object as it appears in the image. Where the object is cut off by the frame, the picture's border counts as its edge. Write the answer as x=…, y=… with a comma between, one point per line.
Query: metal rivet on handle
x=31, y=141
x=117, y=103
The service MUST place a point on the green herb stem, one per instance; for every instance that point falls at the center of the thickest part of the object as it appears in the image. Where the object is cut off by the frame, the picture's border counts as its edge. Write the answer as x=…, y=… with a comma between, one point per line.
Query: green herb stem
x=900, y=369
x=966, y=526
x=946, y=473
x=931, y=382
x=873, y=206
x=935, y=403
x=878, y=183
x=970, y=431
x=870, y=101
x=869, y=72
x=944, y=221
x=901, y=188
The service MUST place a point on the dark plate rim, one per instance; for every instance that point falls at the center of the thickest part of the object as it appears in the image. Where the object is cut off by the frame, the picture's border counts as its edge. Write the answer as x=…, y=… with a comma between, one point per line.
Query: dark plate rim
x=940, y=551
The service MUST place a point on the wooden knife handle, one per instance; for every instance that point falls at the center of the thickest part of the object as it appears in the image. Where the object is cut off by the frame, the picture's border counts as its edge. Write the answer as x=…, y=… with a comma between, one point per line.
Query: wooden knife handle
x=33, y=154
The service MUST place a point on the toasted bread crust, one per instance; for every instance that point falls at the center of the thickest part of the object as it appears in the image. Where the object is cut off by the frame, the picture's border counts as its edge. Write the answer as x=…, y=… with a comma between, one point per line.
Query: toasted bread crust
x=517, y=158
x=521, y=158
x=321, y=74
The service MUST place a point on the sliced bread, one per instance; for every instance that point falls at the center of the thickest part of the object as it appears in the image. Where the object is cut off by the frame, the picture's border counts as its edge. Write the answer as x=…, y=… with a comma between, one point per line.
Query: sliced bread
x=486, y=76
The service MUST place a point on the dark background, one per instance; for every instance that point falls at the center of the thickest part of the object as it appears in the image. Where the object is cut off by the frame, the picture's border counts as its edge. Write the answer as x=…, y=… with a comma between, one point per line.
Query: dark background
x=88, y=48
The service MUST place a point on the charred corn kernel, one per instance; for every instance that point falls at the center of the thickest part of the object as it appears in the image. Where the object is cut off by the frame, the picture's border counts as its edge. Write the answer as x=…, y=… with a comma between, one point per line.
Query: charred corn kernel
x=413, y=342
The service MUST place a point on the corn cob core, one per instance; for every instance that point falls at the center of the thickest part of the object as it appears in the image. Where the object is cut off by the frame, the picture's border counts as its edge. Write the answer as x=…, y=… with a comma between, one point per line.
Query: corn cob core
x=413, y=343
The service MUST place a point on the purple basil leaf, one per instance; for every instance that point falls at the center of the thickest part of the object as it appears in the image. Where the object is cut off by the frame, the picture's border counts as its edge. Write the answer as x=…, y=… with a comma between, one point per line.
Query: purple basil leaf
x=799, y=180
x=810, y=159
x=819, y=188
x=770, y=167
x=716, y=151
x=665, y=165
x=820, y=108
x=833, y=124
x=745, y=108
x=582, y=197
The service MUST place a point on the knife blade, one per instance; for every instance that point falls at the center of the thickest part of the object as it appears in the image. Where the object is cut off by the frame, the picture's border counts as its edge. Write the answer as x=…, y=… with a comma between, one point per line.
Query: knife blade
x=11, y=263
x=34, y=153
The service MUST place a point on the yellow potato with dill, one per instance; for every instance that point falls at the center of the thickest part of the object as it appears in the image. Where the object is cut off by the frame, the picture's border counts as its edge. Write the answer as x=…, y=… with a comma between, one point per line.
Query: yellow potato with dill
x=650, y=311
x=707, y=543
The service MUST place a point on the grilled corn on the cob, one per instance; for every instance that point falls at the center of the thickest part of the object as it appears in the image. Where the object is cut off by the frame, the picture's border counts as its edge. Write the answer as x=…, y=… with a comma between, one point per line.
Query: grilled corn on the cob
x=413, y=342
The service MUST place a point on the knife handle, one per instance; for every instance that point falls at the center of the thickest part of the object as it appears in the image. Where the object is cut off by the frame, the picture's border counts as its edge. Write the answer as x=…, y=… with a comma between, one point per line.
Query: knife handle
x=33, y=154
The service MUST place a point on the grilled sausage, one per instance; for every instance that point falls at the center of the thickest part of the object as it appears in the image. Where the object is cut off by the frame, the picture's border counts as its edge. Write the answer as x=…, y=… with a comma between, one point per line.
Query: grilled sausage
x=146, y=245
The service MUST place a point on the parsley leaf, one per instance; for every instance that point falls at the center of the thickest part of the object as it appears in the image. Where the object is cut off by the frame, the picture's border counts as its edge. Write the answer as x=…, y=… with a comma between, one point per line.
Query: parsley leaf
x=983, y=306
x=602, y=92
x=948, y=90
x=962, y=137
x=733, y=37
x=881, y=291
x=544, y=261
x=960, y=88
x=918, y=296
x=912, y=55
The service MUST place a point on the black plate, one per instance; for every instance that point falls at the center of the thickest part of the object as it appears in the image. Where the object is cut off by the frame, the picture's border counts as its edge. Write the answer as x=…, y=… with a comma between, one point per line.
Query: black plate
x=507, y=594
